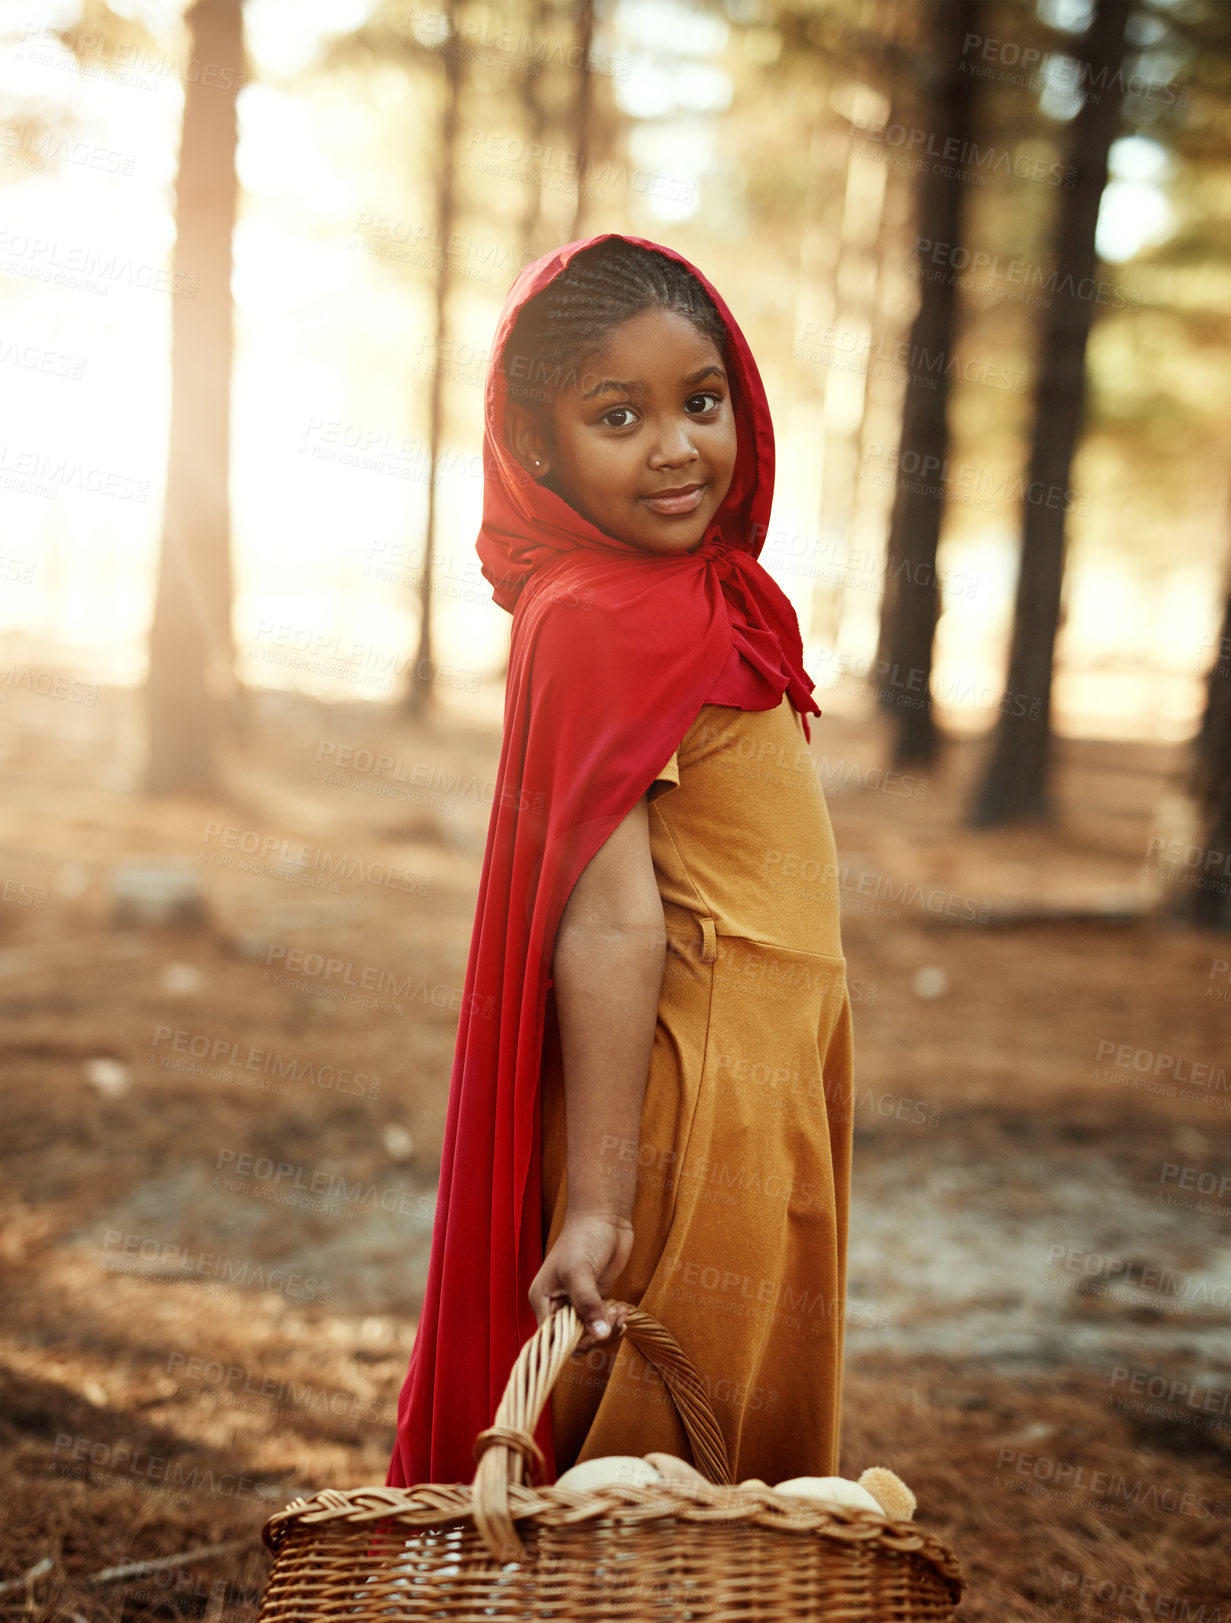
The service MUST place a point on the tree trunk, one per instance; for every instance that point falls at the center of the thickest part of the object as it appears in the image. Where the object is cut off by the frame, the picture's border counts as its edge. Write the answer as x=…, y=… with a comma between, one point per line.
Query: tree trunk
x=191, y=664
x=420, y=691
x=1017, y=781
x=581, y=110
x=845, y=410
x=1210, y=901
x=910, y=606
x=536, y=133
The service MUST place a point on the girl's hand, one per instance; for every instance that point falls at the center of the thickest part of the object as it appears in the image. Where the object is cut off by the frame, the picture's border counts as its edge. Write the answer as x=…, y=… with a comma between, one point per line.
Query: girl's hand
x=588, y=1257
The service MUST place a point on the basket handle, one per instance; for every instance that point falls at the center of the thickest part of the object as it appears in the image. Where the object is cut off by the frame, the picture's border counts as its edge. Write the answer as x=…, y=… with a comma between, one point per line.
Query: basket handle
x=505, y=1445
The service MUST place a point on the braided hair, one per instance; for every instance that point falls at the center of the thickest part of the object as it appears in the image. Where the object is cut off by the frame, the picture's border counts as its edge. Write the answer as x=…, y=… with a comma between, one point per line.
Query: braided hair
x=569, y=321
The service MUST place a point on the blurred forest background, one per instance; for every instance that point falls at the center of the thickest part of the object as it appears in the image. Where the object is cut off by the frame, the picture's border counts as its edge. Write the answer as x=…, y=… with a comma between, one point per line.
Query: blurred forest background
x=252, y=254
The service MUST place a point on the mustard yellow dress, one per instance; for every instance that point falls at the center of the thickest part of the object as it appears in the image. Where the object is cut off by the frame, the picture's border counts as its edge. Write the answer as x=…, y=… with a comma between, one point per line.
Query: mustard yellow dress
x=743, y=1165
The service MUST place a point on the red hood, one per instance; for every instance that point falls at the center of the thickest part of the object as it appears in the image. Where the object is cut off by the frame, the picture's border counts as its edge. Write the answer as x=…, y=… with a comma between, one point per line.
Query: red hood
x=526, y=525
x=614, y=650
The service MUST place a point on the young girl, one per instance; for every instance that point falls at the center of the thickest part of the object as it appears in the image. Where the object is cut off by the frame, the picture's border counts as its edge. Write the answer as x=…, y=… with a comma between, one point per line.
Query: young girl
x=651, y=1094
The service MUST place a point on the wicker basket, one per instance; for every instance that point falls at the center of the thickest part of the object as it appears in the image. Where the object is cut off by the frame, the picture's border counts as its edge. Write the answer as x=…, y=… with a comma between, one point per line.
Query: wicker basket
x=663, y=1554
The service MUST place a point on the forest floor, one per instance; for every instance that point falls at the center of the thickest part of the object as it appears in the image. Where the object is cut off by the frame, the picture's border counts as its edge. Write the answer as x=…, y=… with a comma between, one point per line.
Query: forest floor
x=1037, y=1333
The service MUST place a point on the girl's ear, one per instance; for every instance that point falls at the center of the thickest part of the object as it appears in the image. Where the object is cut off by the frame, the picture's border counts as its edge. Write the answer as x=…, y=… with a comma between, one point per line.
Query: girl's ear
x=525, y=439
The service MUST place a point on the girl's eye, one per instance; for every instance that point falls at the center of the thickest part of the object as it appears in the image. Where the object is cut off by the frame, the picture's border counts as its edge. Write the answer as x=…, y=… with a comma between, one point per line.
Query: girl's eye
x=705, y=396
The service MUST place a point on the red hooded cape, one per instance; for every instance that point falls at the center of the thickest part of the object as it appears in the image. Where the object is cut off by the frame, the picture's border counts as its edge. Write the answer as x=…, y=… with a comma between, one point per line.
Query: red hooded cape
x=614, y=650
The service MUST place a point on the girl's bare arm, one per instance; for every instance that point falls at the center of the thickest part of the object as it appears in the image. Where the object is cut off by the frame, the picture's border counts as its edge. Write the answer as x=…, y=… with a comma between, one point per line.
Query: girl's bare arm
x=608, y=965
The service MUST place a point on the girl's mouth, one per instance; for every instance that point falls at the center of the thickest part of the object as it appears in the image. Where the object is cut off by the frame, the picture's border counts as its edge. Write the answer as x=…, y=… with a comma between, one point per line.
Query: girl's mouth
x=684, y=500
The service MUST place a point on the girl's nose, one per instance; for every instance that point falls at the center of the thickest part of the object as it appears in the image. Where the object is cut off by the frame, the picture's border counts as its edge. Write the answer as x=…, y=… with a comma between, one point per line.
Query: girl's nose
x=672, y=447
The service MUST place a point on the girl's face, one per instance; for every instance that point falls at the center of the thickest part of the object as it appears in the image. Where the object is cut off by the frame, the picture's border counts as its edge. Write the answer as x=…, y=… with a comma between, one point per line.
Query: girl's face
x=643, y=442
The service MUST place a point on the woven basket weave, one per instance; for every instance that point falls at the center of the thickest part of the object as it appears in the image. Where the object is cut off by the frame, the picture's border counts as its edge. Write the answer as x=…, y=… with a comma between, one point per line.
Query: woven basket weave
x=500, y=1549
